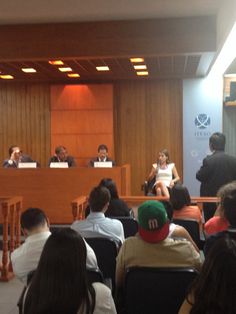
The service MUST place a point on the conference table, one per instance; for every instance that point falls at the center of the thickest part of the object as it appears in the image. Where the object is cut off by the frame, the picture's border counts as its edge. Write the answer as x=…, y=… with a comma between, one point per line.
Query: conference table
x=54, y=189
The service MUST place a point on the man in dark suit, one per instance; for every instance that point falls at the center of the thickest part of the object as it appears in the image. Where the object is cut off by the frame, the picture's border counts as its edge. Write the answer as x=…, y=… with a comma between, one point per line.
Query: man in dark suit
x=102, y=156
x=217, y=169
x=16, y=156
x=61, y=155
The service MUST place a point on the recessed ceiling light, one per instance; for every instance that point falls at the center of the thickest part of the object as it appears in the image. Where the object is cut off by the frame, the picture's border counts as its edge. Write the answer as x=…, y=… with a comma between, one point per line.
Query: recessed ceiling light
x=73, y=75
x=142, y=73
x=56, y=62
x=6, y=77
x=103, y=68
x=140, y=67
x=29, y=70
x=136, y=60
x=66, y=69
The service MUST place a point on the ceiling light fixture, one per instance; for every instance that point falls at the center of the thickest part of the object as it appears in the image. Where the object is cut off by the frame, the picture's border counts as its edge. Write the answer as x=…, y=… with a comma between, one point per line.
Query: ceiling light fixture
x=66, y=69
x=28, y=70
x=56, y=62
x=226, y=55
x=136, y=60
x=142, y=73
x=103, y=68
x=73, y=75
x=6, y=77
x=140, y=67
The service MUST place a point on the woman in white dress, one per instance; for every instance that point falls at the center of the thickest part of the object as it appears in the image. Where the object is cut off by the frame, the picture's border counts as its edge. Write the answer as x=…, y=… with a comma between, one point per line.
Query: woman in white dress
x=165, y=172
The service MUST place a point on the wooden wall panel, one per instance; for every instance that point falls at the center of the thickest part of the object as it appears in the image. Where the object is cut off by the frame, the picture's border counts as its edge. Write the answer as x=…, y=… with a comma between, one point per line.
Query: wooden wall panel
x=81, y=119
x=147, y=118
x=25, y=119
x=81, y=97
x=229, y=129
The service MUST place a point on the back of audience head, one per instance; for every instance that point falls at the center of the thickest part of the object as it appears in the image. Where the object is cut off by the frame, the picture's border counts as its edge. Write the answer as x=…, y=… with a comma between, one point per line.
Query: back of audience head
x=153, y=222
x=213, y=291
x=179, y=196
x=111, y=186
x=217, y=142
x=99, y=199
x=221, y=194
x=60, y=281
x=32, y=219
x=228, y=202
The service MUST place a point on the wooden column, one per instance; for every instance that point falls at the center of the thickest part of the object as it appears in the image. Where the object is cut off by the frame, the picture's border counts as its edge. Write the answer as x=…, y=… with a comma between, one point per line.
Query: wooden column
x=10, y=207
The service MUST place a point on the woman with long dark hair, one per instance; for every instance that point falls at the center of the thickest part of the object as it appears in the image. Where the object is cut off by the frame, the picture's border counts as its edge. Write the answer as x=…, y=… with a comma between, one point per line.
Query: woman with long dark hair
x=60, y=286
x=213, y=291
x=181, y=202
x=117, y=207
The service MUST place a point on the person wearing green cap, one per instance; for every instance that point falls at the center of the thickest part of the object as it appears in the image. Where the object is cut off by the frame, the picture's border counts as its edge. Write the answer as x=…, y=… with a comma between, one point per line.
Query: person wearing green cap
x=152, y=246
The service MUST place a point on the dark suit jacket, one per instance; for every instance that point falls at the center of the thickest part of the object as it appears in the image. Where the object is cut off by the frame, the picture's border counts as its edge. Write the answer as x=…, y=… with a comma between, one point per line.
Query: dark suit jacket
x=24, y=158
x=217, y=169
x=70, y=160
x=91, y=163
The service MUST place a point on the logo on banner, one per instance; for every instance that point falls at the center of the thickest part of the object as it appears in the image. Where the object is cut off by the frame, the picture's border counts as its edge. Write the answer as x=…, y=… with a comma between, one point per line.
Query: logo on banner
x=202, y=121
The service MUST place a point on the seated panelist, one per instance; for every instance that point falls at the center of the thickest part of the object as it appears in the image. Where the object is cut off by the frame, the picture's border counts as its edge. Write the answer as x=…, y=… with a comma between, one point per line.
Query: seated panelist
x=61, y=155
x=102, y=156
x=15, y=157
x=165, y=173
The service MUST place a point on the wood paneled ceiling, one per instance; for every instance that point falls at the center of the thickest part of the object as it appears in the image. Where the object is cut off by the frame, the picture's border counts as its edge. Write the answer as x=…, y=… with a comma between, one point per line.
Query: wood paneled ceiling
x=171, y=48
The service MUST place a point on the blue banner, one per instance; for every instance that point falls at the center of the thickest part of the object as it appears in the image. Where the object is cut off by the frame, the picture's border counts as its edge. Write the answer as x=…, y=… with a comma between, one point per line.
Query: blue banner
x=202, y=116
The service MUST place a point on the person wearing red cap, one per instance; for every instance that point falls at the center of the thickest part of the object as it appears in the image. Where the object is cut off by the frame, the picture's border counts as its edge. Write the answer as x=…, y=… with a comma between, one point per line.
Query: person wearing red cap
x=152, y=247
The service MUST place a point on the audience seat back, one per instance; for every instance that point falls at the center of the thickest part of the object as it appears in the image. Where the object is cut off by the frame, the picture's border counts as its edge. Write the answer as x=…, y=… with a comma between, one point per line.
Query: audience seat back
x=192, y=226
x=130, y=225
x=106, y=252
x=156, y=290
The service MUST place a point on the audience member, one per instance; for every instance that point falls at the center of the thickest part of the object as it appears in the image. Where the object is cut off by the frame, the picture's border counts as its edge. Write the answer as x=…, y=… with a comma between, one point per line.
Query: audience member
x=228, y=202
x=218, y=222
x=60, y=283
x=117, y=207
x=152, y=247
x=217, y=169
x=96, y=224
x=34, y=224
x=213, y=291
x=102, y=156
x=15, y=157
x=181, y=202
x=165, y=173
x=61, y=155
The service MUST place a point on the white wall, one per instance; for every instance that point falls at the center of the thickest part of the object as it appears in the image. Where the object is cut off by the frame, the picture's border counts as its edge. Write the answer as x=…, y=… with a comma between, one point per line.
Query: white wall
x=200, y=96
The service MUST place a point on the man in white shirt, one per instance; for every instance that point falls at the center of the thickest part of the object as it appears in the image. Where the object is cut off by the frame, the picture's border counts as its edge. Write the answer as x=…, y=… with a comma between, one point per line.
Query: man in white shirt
x=35, y=227
x=96, y=224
